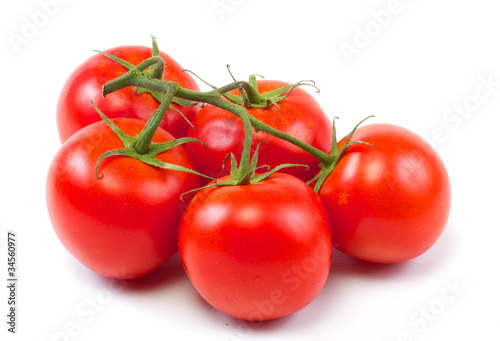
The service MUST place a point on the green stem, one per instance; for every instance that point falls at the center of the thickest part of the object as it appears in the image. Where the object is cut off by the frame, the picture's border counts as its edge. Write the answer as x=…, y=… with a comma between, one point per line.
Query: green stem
x=155, y=60
x=131, y=78
x=135, y=78
x=157, y=70
x=323, y=157
x=146, y=135
x=206, y=97
x=239, y=111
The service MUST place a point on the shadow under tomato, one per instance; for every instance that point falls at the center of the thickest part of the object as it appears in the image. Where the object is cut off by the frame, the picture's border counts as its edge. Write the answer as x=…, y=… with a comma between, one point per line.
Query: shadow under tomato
x=171, y=271
x=242, y=329
x=442, y=252
x=345, y=265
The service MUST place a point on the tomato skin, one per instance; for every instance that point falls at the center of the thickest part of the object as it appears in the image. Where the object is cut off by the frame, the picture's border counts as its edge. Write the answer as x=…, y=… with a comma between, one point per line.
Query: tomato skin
x=74, y=110
x=298, y=115
x=257, y=252
x=388, y=202
x=123, y=225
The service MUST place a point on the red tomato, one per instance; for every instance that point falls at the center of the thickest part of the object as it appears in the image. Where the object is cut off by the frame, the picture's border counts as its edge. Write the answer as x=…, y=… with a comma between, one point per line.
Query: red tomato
x=257, y=252
x=298, y=115
x=388, y=202
x=74, y=110
x=124, y=224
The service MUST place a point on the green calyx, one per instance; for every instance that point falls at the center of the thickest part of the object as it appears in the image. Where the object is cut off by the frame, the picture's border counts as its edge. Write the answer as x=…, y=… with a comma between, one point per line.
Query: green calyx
x=265, y=100
x=153, y=68
x=335, y=155
x=246, y=174
x=250, y=95
x=141, y=147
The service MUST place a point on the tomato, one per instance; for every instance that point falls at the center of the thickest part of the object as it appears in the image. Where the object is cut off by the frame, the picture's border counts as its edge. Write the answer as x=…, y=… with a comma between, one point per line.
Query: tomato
x=388, y=202
x=299, y=115
x=123, y=224
x=259, y=251
x=74, y=110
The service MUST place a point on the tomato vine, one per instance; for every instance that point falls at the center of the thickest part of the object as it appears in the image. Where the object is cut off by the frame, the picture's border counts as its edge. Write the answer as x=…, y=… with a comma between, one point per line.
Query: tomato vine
x=136, y=77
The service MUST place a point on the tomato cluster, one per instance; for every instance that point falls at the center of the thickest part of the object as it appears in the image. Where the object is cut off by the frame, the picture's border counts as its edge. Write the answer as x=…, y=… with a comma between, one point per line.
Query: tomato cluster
x=256, y=208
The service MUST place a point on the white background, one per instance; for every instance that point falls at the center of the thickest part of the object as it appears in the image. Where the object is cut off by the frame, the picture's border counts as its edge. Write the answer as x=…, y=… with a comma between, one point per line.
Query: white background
x=415, y=67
